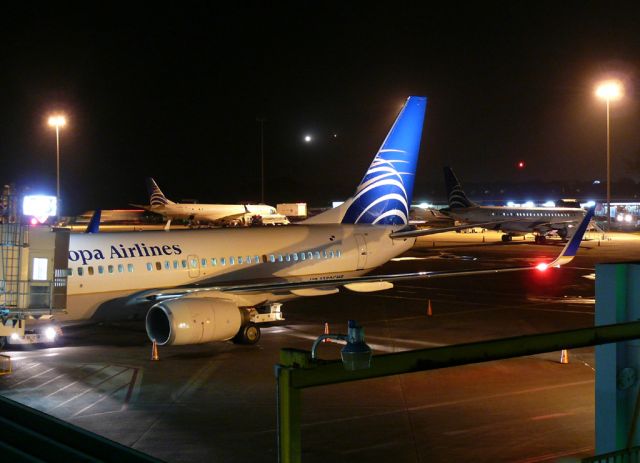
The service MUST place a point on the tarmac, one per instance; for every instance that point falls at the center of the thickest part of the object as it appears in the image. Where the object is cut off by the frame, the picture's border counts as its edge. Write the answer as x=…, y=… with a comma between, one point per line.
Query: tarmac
x=216, y=402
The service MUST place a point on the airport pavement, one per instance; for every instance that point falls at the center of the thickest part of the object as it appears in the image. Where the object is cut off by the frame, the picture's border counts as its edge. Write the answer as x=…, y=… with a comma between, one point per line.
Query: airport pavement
x=216, y=402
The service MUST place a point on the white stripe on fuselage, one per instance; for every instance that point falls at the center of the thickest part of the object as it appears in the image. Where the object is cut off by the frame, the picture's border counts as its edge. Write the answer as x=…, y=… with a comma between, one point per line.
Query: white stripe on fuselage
x=129, y=262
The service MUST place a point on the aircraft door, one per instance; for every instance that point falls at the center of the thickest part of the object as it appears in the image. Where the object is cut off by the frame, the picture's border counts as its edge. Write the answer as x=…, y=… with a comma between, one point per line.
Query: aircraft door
x=194, y=265
x=362, y=251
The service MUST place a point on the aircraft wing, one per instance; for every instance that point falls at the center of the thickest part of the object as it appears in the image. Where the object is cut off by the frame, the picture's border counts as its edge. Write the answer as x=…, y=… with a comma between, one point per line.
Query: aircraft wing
x=413, y=233
x=374, y=282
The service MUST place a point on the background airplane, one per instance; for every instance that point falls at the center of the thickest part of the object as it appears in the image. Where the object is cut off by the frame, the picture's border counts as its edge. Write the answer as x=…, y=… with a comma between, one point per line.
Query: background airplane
x=219, y=284
x=511, y=220
x=220, y=214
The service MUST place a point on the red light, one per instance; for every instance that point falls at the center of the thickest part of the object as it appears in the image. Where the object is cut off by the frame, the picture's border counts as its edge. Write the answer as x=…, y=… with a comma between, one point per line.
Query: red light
x=521, y=165
x=542, y=267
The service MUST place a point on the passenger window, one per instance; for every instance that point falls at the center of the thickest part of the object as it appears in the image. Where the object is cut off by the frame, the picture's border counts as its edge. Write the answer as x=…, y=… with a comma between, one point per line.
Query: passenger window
x=339, y=253
x=295, y=257
x=130, y=267
x=331, y=255
x=100, y=269
x=175, y=264
x=232, y=261
x=288, y=257
x=149, y=266
x=303, y=256
x=256, y=259
x=317, y=254
x=214, y=261
x=167, y=265
x=120, y=268
x=158, y=265
x=204, y=262
x=280, y=258
x=90, y=270
x=239, y=259
x=324, y=254
x=194, y=263
x=80, y=271
x=223, y=261
x=183, y=263
x=110, y=268
x=272, y=258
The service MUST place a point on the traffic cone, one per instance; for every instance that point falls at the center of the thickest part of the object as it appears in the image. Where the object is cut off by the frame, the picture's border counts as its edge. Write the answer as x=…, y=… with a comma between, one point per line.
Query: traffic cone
x=564, y=357
x=154, y=351
x=429, y=311
x=326, y=331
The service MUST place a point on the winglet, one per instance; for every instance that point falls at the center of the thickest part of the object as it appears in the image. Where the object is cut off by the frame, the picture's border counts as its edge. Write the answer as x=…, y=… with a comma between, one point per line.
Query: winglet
x=94, y=223
x=571, y=248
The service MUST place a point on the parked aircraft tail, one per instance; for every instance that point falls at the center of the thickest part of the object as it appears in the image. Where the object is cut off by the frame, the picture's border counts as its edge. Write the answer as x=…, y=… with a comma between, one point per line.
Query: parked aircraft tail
x=156, y=197
x=455, y=194
x=384, y=194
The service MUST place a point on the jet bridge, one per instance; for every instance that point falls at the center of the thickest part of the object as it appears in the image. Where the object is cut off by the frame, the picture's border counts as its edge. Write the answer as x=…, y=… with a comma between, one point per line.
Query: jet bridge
x=33, y=282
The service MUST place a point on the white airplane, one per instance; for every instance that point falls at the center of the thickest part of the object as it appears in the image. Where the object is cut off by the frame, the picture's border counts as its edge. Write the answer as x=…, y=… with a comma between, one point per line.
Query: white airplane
x=220, y=284
x=511, y=220
x=215, y=213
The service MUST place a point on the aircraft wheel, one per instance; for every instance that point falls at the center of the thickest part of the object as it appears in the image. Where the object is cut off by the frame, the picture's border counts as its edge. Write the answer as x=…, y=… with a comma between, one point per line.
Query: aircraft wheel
x=506, y=238
x=562, y=233
x=248, y=334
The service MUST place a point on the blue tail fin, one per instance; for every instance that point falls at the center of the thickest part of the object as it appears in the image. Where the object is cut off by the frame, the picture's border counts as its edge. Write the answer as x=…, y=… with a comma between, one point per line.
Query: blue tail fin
x=94, y=223
x=384, y=194
x=455, y=194
x=156, y=197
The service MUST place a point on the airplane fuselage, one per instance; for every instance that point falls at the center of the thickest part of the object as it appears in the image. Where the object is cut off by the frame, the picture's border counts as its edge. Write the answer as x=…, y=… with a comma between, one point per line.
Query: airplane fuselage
x=106, y=265
x=210, y=212
x=519, y=220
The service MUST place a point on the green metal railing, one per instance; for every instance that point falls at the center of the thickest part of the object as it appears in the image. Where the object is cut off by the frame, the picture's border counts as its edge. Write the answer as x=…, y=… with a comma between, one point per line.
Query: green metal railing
x=631, y=455
x=297, y=371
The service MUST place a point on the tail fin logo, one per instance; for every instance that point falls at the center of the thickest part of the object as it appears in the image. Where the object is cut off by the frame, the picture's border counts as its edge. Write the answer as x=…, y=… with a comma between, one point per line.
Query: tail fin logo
x=157, y=198
x=456, y=196
x=384, y=195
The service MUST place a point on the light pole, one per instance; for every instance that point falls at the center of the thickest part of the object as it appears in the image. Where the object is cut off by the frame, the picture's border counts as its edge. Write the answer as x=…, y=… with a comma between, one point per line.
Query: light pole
x=261, y=120
x=57, y=121
x=609, y=91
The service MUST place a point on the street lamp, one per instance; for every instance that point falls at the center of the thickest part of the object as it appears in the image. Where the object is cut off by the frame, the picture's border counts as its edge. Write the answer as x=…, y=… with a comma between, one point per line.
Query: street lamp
x=610, y=90
x=57, y=121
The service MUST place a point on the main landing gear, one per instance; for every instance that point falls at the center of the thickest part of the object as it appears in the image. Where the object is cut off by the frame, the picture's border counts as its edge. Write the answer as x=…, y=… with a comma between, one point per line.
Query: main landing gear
x=506, y=238
x=540, y=239
x=249, y=332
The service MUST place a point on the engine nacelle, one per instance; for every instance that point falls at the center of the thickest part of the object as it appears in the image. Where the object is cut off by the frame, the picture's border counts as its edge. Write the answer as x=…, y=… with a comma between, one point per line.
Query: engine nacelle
x=193, y=320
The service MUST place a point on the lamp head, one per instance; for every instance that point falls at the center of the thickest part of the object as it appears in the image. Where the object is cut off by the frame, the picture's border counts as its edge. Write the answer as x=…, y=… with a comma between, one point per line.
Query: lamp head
x=609, y=90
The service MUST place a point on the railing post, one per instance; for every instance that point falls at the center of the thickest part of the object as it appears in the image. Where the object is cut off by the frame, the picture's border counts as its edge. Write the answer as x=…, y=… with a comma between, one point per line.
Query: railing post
x=289, y=405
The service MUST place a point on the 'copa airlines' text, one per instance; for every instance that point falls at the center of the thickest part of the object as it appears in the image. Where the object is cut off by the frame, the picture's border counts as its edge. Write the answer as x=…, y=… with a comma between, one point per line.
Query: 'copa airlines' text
x=124, y=252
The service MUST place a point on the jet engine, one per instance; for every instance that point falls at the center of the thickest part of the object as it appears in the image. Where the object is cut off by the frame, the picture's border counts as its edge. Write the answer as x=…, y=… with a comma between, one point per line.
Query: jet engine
x=193, y=320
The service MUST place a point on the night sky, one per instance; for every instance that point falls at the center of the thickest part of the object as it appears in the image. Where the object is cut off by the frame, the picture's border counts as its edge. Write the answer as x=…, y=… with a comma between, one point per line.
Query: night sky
x=174, y=92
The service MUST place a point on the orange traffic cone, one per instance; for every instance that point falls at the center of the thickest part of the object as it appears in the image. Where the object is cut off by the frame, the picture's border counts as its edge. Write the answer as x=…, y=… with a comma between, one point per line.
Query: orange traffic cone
x=326, y=331
x=429, y=311
x=154, y=351
x=564, y=357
